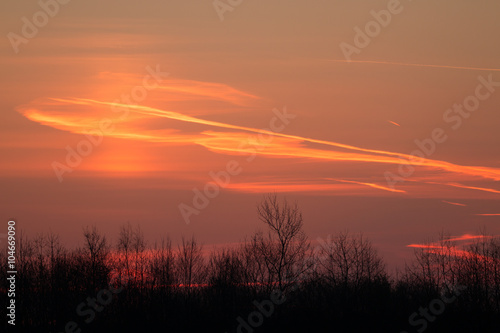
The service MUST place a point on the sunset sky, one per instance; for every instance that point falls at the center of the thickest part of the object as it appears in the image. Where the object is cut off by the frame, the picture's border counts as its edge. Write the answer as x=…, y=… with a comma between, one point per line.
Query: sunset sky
x=176, y=91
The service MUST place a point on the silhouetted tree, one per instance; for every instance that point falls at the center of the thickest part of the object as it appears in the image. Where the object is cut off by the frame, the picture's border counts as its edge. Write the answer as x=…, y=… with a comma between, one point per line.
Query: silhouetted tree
x=350, y=260
x=138, y=246
x=225, y=268
x=125, y=246
x=350, y=290
x=285, y=245
x=163, y=265
x=96, y=250
x=190, y=262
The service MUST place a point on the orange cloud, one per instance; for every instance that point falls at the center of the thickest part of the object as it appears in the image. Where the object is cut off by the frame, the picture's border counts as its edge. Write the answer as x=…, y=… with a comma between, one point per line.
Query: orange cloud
x=452, y=248
x=484, y=189
x=266, y=187
x=215, y=91
x=454, y=203
x=424, y=246
x=380, y=187
x=473, y=188
x=467, y=237
x=145, y=123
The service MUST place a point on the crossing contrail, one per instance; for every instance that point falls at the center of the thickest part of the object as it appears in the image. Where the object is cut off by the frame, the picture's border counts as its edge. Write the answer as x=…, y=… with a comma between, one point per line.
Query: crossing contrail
x=415, y=65
x=380, y=187
x=219, y=141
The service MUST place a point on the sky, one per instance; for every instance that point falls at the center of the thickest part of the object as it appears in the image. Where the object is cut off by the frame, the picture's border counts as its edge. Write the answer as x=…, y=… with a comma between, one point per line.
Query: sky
x=378, y=117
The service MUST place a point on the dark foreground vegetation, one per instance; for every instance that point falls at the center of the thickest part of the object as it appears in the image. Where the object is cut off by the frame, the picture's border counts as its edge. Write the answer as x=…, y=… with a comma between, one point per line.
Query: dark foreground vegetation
x=274, y=282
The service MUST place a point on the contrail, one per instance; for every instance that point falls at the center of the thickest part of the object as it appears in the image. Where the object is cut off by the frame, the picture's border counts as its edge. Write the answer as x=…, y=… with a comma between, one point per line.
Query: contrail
x=383, y=156
x=380, y=187
x=461, y=186
x=454, y=203
x=415, y=65
x=491, y=173
x=474, y=188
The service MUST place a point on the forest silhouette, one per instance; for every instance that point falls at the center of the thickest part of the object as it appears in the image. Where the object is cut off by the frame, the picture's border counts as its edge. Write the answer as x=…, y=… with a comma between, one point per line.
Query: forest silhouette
x=274, y=281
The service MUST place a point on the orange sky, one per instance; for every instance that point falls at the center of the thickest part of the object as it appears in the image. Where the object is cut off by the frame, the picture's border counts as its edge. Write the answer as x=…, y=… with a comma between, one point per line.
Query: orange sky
x=268, y=91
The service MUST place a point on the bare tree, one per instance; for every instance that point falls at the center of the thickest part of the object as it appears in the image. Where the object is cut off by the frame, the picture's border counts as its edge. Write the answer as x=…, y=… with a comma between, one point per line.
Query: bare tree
x=40, y=243
x=138, y=246
x=255, y=271
x=131, y=245
x=96, y=250
x=125, y=245
x=350, y=260
x=190, y=262
x=225, y=268
x=494, y=264
x=478, y=268
x=163, y=265
x=55, y=250
x=285, y=245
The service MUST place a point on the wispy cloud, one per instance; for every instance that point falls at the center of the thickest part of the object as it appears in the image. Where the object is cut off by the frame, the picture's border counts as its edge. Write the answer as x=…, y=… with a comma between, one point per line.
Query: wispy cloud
x=222, y=142
x=266, y=187
x=379, y=187
x=458, y=185
x=168, y=125
x=473, y=188
x=453, y=246
x=416, y=65
x=454, y=203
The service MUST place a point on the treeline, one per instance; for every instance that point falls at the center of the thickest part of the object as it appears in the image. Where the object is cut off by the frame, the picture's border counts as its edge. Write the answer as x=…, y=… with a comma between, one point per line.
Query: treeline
x=275, y=281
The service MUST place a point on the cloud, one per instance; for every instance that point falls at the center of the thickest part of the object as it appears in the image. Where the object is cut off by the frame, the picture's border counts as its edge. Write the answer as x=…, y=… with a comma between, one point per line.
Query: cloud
x=416, y=65
x=380, y=187
x=450, y=247
x=167, y=124
x=454, y=203
x=266, y=187
x=289, y=145
x=458, y=185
